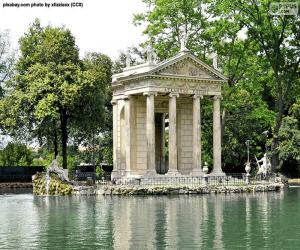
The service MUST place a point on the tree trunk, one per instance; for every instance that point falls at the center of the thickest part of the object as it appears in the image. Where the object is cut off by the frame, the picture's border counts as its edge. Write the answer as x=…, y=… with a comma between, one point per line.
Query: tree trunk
x=55, y=142
x=64, y=136
x=275, y=163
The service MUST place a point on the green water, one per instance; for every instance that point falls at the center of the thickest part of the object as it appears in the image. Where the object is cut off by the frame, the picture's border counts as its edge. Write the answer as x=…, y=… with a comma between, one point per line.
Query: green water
x=236, y=221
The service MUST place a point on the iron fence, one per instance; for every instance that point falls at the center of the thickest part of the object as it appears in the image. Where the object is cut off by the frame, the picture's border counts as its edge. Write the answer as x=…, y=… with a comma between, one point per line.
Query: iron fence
x=263, y=178
x=212, y=180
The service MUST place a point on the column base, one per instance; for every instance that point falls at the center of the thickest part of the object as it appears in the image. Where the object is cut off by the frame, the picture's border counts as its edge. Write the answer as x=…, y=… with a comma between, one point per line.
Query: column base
x=121, y=174
x=197, y=172
x=115, y=174
x=217, y=173
x=150, y=173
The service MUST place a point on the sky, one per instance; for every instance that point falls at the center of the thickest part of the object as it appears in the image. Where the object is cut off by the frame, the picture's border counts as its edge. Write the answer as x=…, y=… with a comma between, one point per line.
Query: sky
x=103, y=26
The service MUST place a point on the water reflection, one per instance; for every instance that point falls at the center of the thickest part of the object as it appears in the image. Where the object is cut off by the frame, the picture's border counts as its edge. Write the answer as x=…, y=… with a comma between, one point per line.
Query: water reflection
x=218, y=242
x=169, y=222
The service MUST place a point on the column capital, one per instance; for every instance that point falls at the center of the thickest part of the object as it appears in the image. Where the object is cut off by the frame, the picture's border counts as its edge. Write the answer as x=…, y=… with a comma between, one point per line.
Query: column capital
x=195, y=96
x=113, y=102
x=148, y=93
x=172, y=94
x=217, y=97
x=127, y=97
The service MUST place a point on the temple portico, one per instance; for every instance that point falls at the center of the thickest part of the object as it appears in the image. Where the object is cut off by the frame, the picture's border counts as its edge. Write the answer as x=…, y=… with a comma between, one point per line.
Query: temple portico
x=157, y=118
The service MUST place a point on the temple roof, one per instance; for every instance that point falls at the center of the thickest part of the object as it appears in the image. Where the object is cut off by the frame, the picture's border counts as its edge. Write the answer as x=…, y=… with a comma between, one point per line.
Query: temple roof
x=183, y=65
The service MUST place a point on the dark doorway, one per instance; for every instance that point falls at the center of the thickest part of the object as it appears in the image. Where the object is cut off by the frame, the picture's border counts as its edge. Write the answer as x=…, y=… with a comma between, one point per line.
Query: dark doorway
x=161, y=143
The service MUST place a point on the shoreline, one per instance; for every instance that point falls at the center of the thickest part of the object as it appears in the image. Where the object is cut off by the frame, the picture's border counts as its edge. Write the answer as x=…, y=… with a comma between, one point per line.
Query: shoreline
x=161, y=189
x=127, y=190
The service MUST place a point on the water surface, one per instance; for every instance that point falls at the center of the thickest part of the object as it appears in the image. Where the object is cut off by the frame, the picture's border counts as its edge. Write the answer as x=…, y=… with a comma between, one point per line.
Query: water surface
x=235, y=221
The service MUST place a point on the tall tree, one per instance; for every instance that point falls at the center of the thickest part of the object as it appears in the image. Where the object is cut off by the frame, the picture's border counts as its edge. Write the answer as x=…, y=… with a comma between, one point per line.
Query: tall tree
x=278, y=38
x=53, y=90
x=6, y=59
x=166, y=20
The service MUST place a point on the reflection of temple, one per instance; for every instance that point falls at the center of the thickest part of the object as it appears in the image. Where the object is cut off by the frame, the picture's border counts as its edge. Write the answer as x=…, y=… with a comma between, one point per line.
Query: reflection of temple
x=155, y=105
x=183, y=222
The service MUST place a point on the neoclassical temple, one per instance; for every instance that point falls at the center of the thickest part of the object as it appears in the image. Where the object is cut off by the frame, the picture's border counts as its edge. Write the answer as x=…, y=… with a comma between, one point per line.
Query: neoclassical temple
x=156, y=117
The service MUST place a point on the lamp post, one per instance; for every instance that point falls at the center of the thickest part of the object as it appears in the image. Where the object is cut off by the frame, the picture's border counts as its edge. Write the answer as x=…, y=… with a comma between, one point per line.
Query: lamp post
x=248, y=168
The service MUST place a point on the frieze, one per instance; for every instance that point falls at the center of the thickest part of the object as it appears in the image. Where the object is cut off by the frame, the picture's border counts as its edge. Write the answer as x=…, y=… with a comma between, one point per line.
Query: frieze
x=185, y=91
x=187, y=68
x=182, y=87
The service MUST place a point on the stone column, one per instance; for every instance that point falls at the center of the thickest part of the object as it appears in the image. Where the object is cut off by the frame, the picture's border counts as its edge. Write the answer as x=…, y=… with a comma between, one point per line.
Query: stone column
x=115, y=137
x=128, y=137
x=150, y=131
x=173, y=160
x=163, y=160
x=197, y=135
x=217, y=170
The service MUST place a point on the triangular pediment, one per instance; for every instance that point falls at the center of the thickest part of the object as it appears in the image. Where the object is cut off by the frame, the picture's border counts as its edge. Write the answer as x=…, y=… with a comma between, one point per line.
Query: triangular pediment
x=186, y=68
x=189, y=66
x=183, y=66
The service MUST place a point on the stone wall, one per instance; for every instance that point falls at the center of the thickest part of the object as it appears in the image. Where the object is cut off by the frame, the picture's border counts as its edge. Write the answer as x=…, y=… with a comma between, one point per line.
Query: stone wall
x=173, y=189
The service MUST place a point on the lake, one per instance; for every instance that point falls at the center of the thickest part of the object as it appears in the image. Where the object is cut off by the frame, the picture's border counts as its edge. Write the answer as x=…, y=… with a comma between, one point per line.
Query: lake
x=223, y=221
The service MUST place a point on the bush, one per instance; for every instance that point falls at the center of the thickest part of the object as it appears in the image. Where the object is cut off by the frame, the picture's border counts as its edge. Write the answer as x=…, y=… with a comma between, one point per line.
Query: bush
x=99, y=172
x=16, y=154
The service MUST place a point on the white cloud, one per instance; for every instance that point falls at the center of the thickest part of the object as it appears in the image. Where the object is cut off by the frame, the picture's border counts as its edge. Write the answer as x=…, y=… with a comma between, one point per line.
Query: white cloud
x=101, y=25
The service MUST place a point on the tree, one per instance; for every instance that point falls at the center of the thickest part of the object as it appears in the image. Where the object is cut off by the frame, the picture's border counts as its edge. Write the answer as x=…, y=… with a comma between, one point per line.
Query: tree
x=16, y=154
x=6, y=69
x=6, y=59
x=278, y=38
x=92, y=113
x=167, y=19
x=54, y=92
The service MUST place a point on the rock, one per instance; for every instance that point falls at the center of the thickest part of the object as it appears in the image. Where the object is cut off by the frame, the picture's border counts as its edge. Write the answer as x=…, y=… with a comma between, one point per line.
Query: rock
x=56, y=186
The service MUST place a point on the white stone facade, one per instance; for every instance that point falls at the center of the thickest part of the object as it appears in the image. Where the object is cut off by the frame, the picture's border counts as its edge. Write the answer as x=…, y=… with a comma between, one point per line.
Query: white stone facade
x=152, y=102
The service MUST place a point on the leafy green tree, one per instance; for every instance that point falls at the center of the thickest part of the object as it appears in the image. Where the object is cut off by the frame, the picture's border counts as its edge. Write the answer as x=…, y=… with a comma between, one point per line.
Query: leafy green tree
x=16, y=154
x=278, y=39
x=54, y=92
x=92, y=113
x=166, y=19
x=6, y=69
x=289, y=139
x=6, y=59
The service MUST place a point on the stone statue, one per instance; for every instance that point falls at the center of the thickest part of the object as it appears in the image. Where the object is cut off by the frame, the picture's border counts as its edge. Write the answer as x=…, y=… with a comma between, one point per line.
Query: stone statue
x=264, y=165
x=54, y=168
x=128, y=59
x=150, y=54
x=215, y=60
x=183, y=40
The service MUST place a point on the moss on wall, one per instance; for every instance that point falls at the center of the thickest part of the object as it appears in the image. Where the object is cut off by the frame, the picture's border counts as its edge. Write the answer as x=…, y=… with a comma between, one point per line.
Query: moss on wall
x=56, y=186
